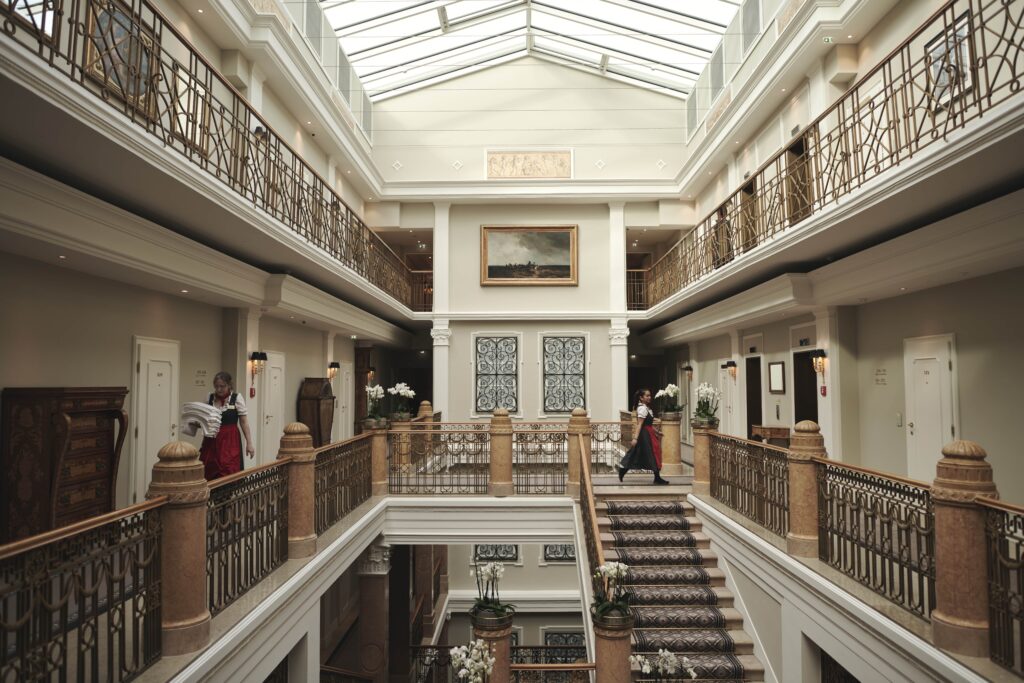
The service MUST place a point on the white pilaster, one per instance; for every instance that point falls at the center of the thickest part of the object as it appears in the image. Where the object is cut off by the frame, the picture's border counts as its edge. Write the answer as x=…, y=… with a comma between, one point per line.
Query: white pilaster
x=256, y=81
x=617, y=258
x=829, y=406
x=442, y=216
x=739, y=387
x=441, y=335
x=618, y=341
x=242, y=337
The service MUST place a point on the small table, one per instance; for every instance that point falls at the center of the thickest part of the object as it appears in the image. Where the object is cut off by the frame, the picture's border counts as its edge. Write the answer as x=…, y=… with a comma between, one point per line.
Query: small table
x=775, y=436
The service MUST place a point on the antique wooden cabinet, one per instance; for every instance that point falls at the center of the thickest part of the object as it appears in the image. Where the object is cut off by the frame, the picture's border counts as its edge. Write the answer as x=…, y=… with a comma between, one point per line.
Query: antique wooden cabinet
x=59, y=450
x=316, y=408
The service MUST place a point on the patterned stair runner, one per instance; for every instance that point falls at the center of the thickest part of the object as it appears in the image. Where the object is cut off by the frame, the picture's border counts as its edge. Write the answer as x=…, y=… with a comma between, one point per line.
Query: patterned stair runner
x=668, y=588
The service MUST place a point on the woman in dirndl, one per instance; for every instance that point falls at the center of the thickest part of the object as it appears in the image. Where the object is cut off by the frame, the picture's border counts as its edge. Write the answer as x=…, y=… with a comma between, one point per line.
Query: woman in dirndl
x=645, y=450
x=222, y=454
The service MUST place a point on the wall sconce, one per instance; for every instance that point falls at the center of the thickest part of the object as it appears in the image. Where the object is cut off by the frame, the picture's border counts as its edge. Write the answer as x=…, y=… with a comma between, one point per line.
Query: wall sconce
x=818, y=357
x=688, y=369
x=730, y=365
x=257, y=361
x=332, y=370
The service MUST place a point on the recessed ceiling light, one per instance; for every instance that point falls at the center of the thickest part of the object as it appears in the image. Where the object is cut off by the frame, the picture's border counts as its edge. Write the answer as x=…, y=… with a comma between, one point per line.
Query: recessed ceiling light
x=200, y=10
x=783, y=90
x=353, y=336
x=184, y=291
x=370, y=199
x=645, y=229
x=849, y=36
x=292, y=317
x=422, y=352
x=903, y=289
x=309, y=123
x=62, y=257
x=737, y=142
x=349, y=172
x=632, y=356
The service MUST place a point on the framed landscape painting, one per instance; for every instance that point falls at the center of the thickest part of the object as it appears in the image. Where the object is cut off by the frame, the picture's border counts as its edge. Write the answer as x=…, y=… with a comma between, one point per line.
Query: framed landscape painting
x=528, y=255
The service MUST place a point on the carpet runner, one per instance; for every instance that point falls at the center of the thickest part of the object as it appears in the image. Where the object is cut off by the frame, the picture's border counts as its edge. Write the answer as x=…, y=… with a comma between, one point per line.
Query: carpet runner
x=668, y=588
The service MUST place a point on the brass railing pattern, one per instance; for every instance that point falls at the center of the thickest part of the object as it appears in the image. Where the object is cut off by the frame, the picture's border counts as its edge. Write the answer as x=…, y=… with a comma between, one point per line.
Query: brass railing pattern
x=1004, y=530
x=606, y=445
x=549, y=654
x=958, y=65
x=431, y=664
x=879, y=530
x=753, y=479
x=422, y=290
x=588, y=511
x=343, y=477
x=246, y=531
x=436, y=459
x=82, y=603
x=540, y=460
x=636, y=290
x=138, y=63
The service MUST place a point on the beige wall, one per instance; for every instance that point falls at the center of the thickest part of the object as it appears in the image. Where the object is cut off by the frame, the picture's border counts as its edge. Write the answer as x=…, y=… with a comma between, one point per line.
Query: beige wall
x=984, y=314
x=303, y=356
x=461, y=383
x=778, y=341
x=592, y=292
x=764, y=614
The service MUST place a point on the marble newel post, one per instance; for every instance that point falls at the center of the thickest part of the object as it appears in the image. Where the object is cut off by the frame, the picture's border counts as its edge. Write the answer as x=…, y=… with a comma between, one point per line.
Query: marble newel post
x=501, y=454
x=379, y=462
x=960, y=617
x=579, y=455
x=702, y=459
x=612, y=647
x=185, y=612
x=373, y=613
x=497, y=632
x=297, y=444
x=671, y=457
x=806, y=444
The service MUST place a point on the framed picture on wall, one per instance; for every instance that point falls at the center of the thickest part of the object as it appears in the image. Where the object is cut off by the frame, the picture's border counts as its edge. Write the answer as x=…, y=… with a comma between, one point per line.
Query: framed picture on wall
x=777, y=378
x=518, y=255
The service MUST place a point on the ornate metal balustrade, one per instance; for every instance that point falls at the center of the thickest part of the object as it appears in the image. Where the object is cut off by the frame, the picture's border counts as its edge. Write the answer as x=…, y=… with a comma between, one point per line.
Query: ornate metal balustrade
x=552, y=673
x=549, y=654
x=431, y=664
x=82, y=603
x=134, y=60
x=636, y=290
x=880, y=530
x=435, y=458
x=422, y=290
x=753, y=479
x=246, y=531
x=606, y=445
x=343, y=476
x=539, y=459
x=1004, y=531
x=958, y=65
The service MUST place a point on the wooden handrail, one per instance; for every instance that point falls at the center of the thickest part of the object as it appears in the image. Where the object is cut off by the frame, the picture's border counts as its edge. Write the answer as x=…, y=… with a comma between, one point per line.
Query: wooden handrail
x=585, y=485
x=579, y=666
x=1000, y=505
x=875, y=473
x=232, y=478
x=59, y=534
x=759, y=444
x=344, y=442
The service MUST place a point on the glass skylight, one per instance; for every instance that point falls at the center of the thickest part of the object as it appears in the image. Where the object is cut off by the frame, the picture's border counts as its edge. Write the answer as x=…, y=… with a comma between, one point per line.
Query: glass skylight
x=397, y=45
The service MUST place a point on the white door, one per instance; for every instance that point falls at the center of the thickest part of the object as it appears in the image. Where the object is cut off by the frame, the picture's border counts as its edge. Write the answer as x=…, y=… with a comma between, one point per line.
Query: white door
x=930, y=379
x=155, y=409
x=726, y=406
x=346, y=401
x=273, y=423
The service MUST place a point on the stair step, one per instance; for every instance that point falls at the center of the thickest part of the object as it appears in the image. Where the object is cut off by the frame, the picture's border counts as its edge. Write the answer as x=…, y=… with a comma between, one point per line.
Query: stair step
x=707, y=665
x=648, y=523
x=655, y=539
x=663, y=576
x=686, y=617
x=687, y=641
x=659, y=556
x=632, y=507
x=678, y=595
x=638, y=491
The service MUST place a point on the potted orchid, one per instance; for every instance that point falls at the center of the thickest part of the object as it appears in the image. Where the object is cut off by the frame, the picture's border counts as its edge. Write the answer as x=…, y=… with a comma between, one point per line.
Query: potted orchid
x=401, y=394
x=705, y=417
x=488, y=611
x=663, y=665
x=610, y=609
x=668, y=399
x=472, y=663
x=374, y=396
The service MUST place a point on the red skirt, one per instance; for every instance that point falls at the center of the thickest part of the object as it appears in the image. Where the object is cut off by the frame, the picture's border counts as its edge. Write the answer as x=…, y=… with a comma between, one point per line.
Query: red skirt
x=655, y=444
x=222, y=454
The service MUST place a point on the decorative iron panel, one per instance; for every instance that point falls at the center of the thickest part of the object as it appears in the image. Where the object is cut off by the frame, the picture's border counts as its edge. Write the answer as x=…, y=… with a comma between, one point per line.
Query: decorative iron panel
x=246, y=533
x=539, y=459
x=753, y=479
x=439, y=458
x=565, y=362
x=879, y=531
x=343, y=479
x=607, y=444
x=565, y=648
x=496, y=552
x=497, y=374
x=565, y=639
x=1004, y=528
x=84, y=607
x=559, y=552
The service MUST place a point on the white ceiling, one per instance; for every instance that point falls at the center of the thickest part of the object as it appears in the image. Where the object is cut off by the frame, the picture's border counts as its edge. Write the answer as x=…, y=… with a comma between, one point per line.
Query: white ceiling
x=398, y=45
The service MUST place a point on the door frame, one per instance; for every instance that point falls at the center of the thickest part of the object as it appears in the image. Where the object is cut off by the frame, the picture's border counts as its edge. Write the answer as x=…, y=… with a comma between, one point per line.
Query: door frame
x=346, y=400
x=137, y=490
x=264, y=402
x=954, y=387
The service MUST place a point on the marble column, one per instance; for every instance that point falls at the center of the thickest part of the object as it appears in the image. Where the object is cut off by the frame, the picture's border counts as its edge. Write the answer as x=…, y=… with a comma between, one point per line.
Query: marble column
x=441, y=335
x=500, y=483
x=297, y=444
x=618, y=340
x=373, y=613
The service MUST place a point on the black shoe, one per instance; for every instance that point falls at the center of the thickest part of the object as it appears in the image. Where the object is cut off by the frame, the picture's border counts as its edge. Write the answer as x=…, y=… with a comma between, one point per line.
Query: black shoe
x=661, y=482
x=622, y=472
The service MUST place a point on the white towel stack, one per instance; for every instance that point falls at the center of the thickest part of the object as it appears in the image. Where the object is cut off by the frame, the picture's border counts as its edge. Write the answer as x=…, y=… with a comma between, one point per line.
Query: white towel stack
x=200, y=417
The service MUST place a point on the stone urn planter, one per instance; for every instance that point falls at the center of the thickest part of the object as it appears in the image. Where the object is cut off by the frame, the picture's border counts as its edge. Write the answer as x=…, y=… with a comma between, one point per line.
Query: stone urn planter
x=486, y=620
x=369, y=423
x=382, y=423
x=612, y=634
x=496, y=629
x=401, y=417
x=671, y=417
x=704, y=423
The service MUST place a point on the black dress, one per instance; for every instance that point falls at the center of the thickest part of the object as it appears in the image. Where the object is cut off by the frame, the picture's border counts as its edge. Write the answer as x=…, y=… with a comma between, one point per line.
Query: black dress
x=646, y=454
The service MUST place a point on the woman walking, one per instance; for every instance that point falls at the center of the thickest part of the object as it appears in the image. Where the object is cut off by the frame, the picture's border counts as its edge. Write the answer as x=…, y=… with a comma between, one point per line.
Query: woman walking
x=222, y=454
x=645, y=450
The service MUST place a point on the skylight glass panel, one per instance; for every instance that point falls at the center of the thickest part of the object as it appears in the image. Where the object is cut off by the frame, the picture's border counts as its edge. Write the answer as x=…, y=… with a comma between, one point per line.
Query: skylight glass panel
x=462, y=9
x=346, y=13
x=390, y=32
x=432, y=74
x=565, y=47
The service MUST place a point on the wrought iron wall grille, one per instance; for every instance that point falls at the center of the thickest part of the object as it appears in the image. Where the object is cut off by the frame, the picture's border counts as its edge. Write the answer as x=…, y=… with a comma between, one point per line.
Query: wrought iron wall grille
x=496, y=552
x=439, y=458
x=560, y=552
x=753, y=479
x=570, y=639
x=564, y=648
x=539, y=460
x=565, y=385
x=86, y=606
x=1004, y=526
x=497, y=374
x=879, y=531
x=960, y=64
x=343, y=477
x=431, y=664
x=246, y=531
x=124, y=52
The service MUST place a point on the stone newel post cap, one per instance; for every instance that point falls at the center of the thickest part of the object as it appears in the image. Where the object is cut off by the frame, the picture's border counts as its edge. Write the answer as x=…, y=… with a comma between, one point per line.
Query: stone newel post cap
x=807, y=427
x=295, y=428
x=425, y=404
x=579, y=412
x=964, y=450
x=500, y=412
x=177, y=452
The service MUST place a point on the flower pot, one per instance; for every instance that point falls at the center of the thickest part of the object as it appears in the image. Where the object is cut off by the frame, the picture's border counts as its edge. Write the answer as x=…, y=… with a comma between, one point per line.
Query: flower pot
x=370, y=423
x=613, y=622
x=400, y=417
x=671, y=417
x=381, y=423
x=704, y=423
x=487, y=620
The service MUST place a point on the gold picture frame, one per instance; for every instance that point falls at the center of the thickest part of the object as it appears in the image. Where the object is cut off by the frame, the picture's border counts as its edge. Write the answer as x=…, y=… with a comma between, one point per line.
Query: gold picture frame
x=529, y=255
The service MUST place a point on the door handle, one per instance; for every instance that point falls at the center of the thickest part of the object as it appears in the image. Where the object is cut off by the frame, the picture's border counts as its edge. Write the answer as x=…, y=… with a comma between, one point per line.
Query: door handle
x=910, y=424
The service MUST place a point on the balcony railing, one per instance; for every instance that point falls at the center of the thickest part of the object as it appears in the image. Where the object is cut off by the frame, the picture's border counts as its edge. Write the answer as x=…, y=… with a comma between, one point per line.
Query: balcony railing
x=958, y=65
x=1004, y=532
x=135, y=61
x=342, y=480
x=753, y=479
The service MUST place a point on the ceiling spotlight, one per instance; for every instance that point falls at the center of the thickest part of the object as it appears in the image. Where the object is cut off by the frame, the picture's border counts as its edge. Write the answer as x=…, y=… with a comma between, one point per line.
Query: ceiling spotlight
x=850, y=37
x=184, y=291
x=349, y=172
x=200, y=10
x=632, y=356
x=353, y=336
x=62, y=257
x=309, y=123
x=903, y=289
x=783, y=90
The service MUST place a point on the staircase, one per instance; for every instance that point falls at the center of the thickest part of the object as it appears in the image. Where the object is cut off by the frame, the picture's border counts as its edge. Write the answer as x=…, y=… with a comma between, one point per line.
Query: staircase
x=675, y=588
